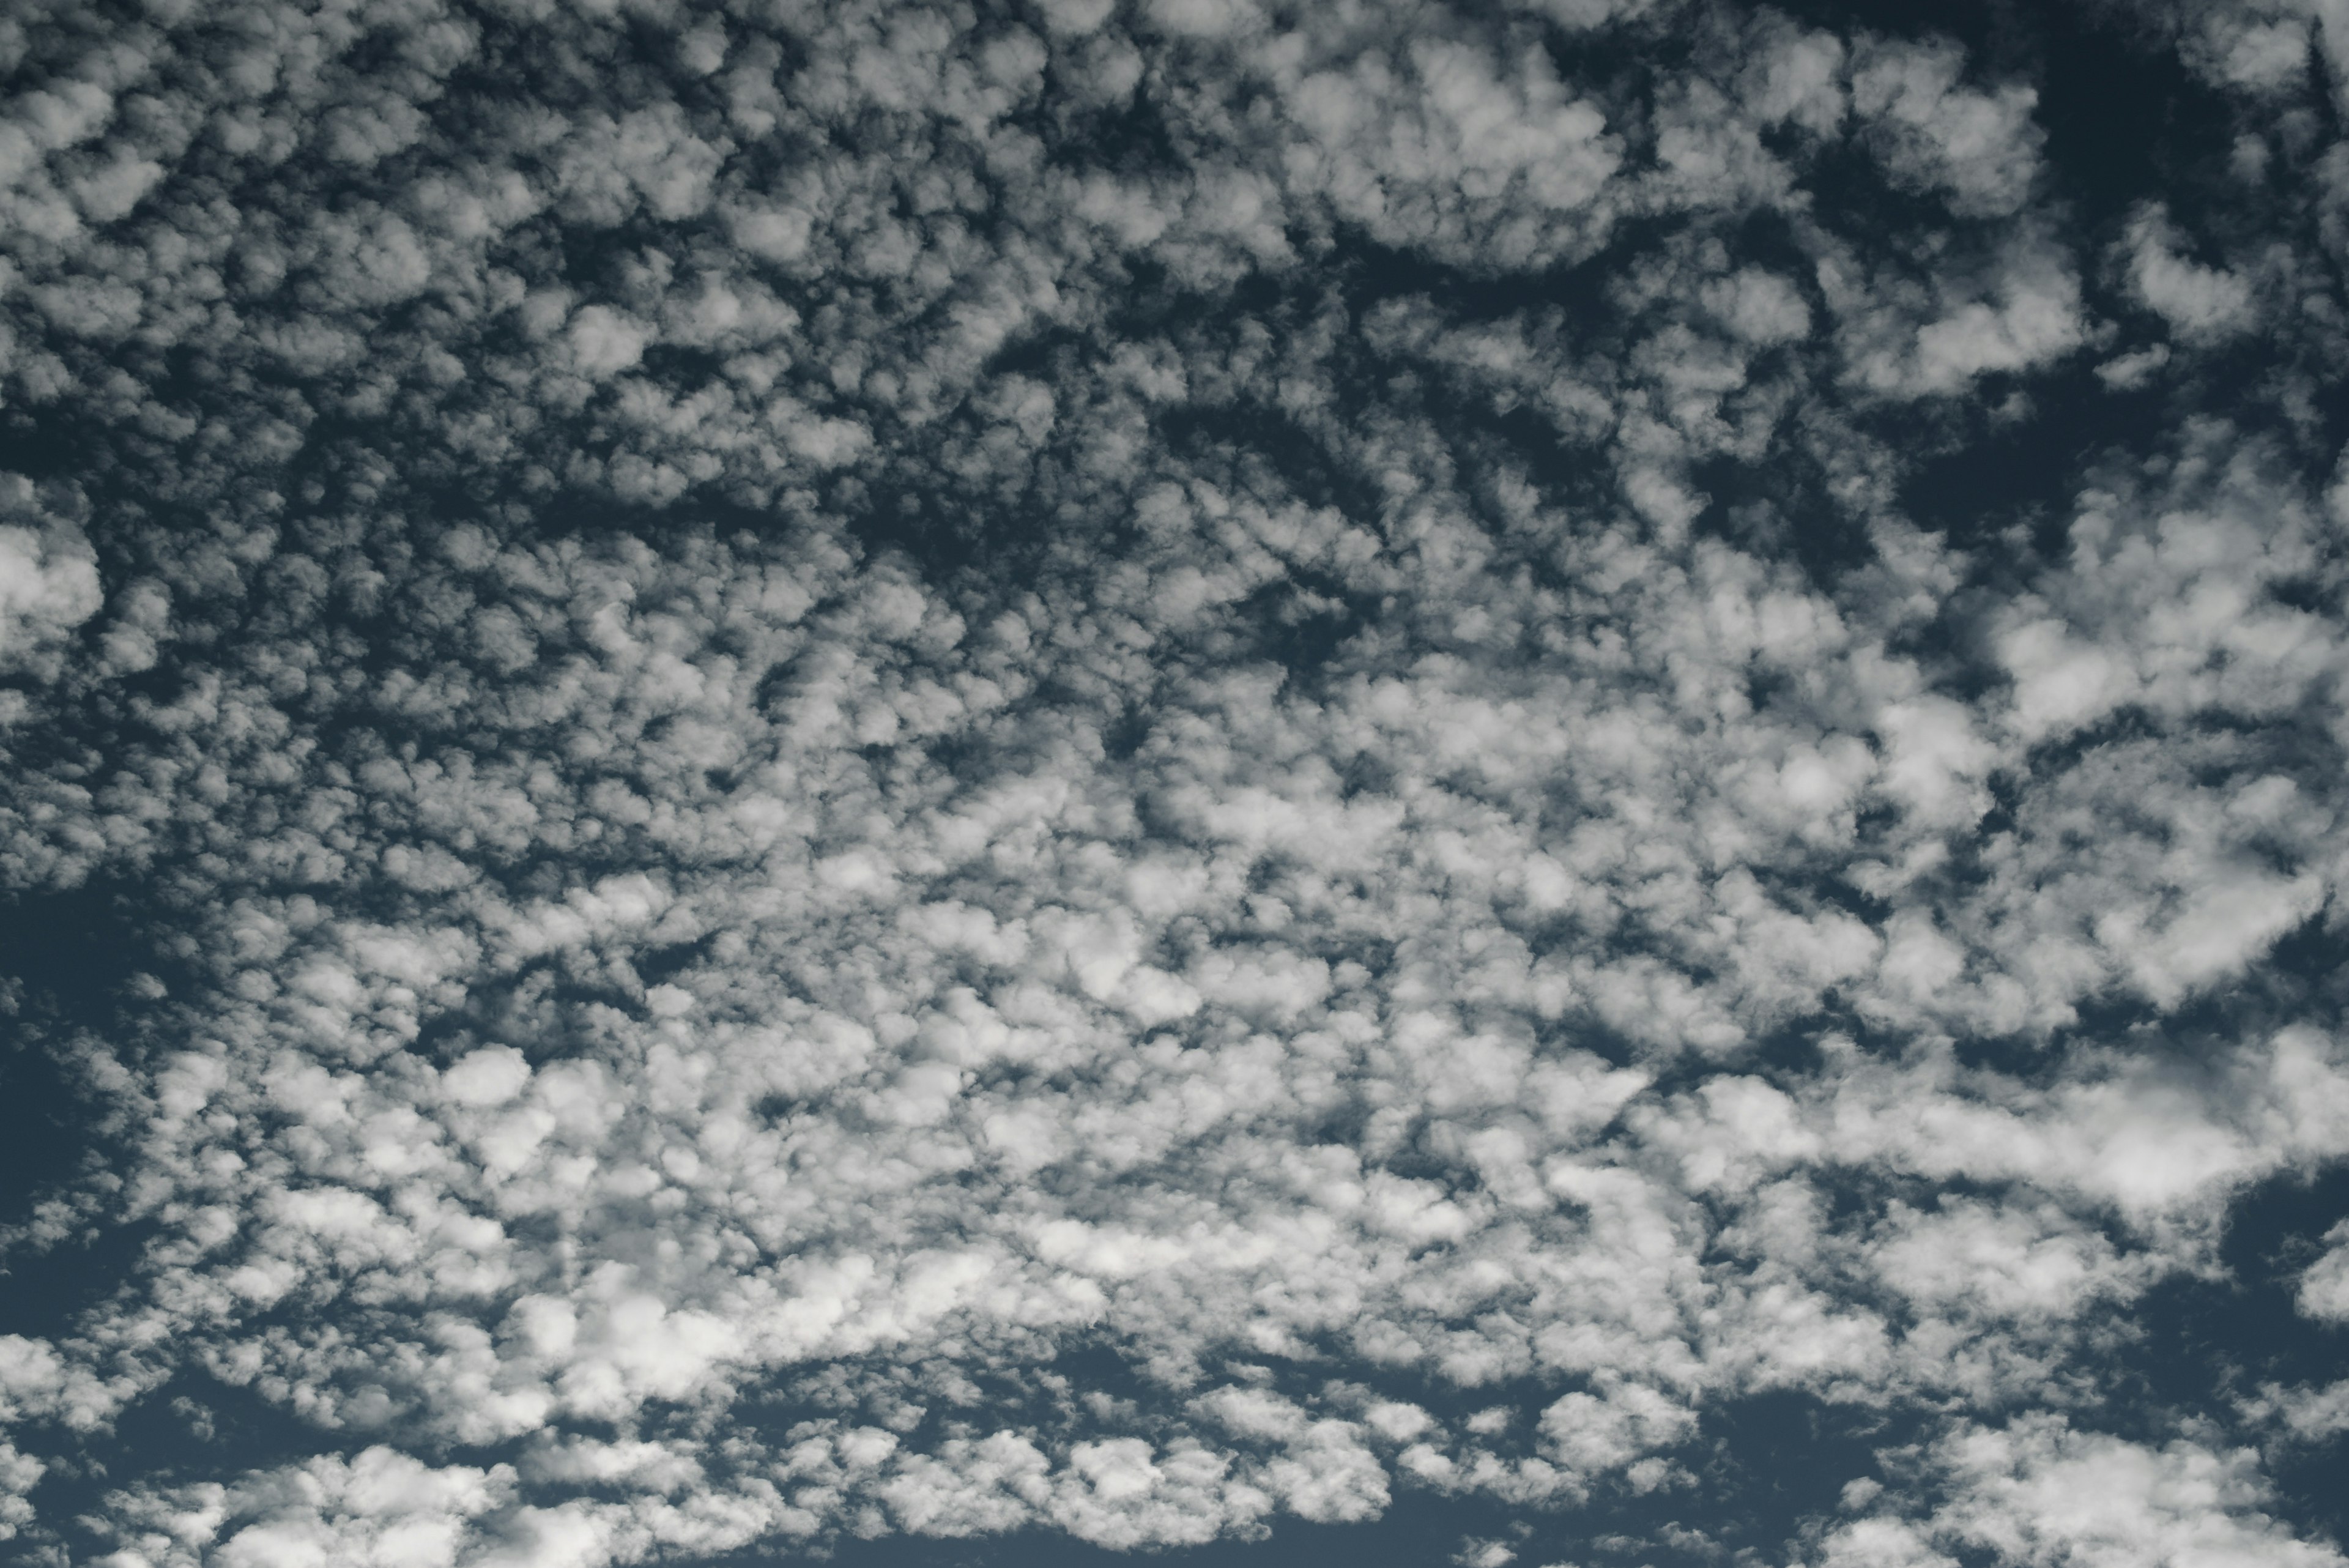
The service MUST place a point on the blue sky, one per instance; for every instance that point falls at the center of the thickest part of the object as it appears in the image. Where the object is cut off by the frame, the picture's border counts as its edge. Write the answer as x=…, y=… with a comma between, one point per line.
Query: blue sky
x=1551, y=785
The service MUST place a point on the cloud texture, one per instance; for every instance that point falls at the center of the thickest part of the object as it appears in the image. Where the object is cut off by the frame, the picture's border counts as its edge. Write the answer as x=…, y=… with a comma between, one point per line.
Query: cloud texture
x=1165, y=772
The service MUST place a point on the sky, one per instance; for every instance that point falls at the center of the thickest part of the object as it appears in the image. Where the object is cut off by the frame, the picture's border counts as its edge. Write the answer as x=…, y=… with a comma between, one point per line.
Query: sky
x=1559, y=783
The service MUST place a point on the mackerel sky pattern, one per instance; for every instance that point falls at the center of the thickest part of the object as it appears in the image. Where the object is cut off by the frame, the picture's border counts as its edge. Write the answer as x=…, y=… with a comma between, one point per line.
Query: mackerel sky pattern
x=1560, y=783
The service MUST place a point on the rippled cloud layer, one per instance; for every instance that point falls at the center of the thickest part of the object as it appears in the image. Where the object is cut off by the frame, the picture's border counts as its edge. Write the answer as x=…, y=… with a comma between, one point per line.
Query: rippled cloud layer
x=1171, y=773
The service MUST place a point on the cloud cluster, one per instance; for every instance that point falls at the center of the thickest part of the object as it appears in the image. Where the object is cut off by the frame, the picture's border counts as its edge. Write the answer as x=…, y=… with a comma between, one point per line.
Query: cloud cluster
x=1152, y=770
x=2037, y=1492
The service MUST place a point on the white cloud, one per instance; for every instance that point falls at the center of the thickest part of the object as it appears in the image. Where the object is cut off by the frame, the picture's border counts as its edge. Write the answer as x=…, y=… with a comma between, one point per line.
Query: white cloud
x=1446, y=147
x=2019, y=311
x=2202, y=304
x=2035, y=1492
x=381, y=1509
x=2324, y=1292
x=48, y=578
x=1981, y=150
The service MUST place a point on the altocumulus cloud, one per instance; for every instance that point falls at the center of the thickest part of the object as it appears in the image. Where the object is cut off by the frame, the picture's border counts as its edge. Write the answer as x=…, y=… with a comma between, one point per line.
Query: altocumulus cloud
x=1137, y=776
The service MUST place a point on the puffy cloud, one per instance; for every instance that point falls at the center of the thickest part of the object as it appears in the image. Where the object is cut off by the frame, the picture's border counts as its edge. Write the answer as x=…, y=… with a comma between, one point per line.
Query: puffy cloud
x=2323, y=1290
x=2201, y=304
x=20, y=1473
x=1980, y=150
x=48, y=578
x=1446, y=147
x=379, y=1507
x=2036, y=1493
x=2019, y=309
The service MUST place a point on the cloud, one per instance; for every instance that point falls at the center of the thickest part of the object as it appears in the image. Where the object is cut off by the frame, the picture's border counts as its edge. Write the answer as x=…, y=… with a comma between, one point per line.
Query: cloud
x=2202, y=304
x=1979, y=150
x=820, y=719
x=2324, y=1292
x=1443, y=148
x=48, y=578
x=2040, y=1494
x=2020, y=309
x=379, y=1507
x=20, y=1473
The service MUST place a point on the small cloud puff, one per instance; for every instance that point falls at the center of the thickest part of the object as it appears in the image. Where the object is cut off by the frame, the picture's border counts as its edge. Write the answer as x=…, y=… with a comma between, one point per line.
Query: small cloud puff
x=48, y=579
x=2323, y=1291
